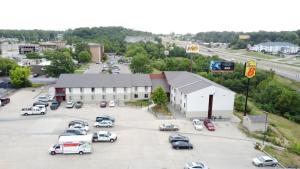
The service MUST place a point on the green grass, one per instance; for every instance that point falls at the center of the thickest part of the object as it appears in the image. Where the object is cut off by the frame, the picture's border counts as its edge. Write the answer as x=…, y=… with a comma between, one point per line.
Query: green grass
x=37, y=85
x=156, y=71
x=79, y=71
x=260, y=55
x=285, y=157
x=288, y=82
x=137, y=103
x=163, y=110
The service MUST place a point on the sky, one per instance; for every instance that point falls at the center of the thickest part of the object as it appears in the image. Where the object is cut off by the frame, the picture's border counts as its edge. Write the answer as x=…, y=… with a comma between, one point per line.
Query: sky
x=156, y=16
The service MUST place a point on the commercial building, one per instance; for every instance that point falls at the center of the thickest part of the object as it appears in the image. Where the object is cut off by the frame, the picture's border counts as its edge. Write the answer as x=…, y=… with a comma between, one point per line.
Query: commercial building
x=275, y=48
x=197, y=97
x=191, y=95
x=93, y=88
x=52, y=45
x=27, y=48
x=97, y=51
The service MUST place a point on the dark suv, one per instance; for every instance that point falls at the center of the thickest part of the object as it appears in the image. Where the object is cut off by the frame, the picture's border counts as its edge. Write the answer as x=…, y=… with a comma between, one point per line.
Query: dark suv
x=177, y=137
x=54, y=105
x=105, y=117
x=4, y=101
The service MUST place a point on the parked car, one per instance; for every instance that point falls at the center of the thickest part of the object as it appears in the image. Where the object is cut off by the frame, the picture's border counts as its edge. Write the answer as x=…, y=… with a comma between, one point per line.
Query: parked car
x=195, y=165
x=104, y=123
x=103, y=104
x=79, y=126
x=4, y=101
x=111, y=103
x=70, y=132
x=32, y=111
x=54, y=105
x=264, y=161
x=168, y=127
x=182, y=145
x=105, y=117
x=40, y=103
x=105, y=136
x=78, y=104
x=197, y=124
x=45, y=98
x=42, y=107
x=71, y=148
x=36, y=75
x=209, y=125
x=70, y=104
x=71, y=123
x=177, y=137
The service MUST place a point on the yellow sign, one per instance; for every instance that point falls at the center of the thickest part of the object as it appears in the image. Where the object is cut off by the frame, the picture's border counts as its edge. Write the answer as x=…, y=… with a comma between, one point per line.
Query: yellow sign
x=192, y=48
x=250, y=68
x=244, y=37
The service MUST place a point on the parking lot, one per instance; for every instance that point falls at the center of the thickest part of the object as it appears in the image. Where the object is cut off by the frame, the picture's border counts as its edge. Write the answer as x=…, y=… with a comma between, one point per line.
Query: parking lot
x=25, y=140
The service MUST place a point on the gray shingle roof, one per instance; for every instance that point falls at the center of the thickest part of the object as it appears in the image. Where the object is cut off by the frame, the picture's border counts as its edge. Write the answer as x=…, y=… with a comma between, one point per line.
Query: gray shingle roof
x=257, y=118
x=160, y=82
x=103, y=80
x=188, y=82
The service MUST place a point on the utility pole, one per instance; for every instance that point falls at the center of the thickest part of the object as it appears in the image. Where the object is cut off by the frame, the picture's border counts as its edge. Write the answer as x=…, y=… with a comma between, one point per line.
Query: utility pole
x=266, y=127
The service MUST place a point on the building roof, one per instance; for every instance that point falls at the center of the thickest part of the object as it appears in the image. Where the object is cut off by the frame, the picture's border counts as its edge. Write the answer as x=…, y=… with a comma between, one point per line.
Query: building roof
x=188, y=82
x=282, y=44
x=257, y=118
x=160, y=83
x=103, y=80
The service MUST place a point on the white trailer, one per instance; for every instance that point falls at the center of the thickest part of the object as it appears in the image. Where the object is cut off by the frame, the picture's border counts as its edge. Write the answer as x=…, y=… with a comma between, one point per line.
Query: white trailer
x=80, y=144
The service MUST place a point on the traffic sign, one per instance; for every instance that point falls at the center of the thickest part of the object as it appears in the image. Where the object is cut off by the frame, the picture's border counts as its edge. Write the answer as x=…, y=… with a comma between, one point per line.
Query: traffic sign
x=250, y=68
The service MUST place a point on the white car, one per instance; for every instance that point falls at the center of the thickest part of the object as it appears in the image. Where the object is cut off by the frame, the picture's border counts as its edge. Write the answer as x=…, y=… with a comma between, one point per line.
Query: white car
x=197, y=124
x=45, y=98
x=80, y=126
x=111, y=103
x=104, y=136
x=104, y=123
x=70, y=104
x=264, y=161
x=194, y=165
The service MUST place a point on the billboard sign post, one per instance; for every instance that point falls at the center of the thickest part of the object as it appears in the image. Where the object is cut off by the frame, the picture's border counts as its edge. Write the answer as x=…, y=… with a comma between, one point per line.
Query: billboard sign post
x=192, y=48
x=250, y=71
x=221, y=66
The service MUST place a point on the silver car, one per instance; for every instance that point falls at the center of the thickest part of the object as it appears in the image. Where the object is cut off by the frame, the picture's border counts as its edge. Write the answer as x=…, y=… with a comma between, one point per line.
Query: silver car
x=194, y=165
x=264, y=161
x=70, y=104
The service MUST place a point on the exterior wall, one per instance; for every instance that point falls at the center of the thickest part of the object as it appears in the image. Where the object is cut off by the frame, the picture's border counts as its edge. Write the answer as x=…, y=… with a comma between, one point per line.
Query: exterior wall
x=197, y=103
x=97, y=51
x=252, y=127
x=119, y=95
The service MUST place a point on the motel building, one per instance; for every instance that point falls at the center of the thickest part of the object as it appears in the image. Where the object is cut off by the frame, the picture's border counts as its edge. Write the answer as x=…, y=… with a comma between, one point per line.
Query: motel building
x=191, y=95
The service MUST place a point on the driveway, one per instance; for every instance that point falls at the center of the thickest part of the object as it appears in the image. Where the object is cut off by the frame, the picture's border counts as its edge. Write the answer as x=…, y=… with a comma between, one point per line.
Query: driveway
x=25, y=140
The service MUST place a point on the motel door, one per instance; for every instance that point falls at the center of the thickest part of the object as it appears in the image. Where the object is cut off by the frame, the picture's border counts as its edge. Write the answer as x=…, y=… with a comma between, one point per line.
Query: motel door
x=210, y=104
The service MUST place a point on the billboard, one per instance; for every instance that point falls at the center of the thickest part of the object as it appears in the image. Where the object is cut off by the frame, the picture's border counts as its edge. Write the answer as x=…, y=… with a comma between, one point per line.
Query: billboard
x=221, y=66
x=250, y=69
x=244, y=37
x=192, y=48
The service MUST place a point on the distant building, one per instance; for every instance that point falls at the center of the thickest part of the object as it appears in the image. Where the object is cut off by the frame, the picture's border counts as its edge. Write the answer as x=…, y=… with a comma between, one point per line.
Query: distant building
x=52, y=45
x=275, y=48
x=255, y=122
x=27, y=48
x=97, y=51
x=135, y=39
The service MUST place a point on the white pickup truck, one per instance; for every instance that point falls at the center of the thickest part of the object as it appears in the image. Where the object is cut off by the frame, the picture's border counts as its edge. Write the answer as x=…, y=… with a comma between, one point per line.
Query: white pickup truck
x=33, y=111
x=104, y=136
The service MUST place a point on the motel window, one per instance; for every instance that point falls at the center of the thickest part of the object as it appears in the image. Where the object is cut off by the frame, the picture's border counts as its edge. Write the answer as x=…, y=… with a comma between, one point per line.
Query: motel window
x=103, y=97
x=103, y=89
x=81, y=90
x=146, y=96
x=114, y=89
x=136, y=96
x=146, y=88
x=93, y=89
x=70, y=90
x=184, y=105
x=135, y=89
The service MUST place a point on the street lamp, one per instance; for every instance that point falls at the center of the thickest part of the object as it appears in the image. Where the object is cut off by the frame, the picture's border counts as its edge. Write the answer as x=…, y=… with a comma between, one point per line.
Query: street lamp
x=266, y=127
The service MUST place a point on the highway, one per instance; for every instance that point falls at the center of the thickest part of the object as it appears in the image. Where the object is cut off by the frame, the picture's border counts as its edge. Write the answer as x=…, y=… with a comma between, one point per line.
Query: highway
x=288, y=71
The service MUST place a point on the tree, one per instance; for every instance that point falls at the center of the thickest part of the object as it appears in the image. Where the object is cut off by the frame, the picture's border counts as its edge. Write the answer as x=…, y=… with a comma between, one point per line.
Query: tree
x=61, y=62
x=140, y=64
x=33, y=55
x=84, y=57
x=134, y=49
x=19, y=77
x=6, y=65
x=79, y=47
x=159, y=97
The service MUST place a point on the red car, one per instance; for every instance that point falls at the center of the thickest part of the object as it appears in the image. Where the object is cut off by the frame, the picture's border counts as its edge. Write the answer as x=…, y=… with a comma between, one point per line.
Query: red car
x=4, y=101
x=209, y=125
